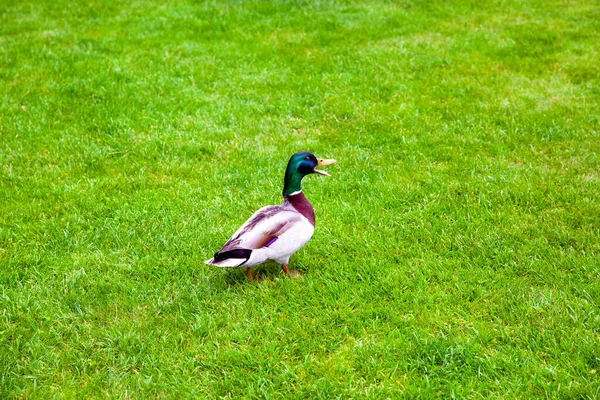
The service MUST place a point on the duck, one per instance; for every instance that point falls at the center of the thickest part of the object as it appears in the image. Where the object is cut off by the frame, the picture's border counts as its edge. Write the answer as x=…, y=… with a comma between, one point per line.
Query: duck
x=274, y=233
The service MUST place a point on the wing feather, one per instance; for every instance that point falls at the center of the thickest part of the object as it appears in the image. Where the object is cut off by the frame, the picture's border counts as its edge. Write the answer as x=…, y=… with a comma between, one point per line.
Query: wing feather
x=262, y=227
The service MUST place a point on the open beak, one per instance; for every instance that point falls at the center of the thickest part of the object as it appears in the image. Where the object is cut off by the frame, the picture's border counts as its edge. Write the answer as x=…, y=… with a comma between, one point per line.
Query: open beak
x=323, y=163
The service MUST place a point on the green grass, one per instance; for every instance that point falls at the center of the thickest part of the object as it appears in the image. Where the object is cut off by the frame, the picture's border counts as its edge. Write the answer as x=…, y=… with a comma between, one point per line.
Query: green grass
x=457, y=249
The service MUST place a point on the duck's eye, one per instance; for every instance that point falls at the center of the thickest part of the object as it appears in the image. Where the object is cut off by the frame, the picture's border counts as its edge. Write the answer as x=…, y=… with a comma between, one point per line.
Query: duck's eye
x=307, y=158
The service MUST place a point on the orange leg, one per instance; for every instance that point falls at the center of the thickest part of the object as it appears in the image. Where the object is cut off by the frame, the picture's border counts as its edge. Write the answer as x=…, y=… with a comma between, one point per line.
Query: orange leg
x=285, y=269
x=249, y=274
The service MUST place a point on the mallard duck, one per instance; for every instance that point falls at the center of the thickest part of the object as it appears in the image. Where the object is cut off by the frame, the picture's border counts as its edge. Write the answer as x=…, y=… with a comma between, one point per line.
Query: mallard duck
x=274, y=233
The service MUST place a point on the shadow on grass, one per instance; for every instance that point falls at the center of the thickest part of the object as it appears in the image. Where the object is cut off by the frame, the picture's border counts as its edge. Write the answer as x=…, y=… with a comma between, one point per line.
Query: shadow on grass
x=264, y=272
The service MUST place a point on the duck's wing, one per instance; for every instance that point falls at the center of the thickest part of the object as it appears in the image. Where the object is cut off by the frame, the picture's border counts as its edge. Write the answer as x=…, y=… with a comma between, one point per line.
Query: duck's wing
x=261, y=230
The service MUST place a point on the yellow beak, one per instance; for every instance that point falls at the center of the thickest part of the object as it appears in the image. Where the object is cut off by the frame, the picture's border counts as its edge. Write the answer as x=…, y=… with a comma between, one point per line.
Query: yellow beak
x=323, y=163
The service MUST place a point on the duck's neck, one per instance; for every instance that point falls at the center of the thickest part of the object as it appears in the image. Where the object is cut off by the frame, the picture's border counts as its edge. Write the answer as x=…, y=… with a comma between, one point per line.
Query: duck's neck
x=292, y=193
x=301, y=204
x=291, y=181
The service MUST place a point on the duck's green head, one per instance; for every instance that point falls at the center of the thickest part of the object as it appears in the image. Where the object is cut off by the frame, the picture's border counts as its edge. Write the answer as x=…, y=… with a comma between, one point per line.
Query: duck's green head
x=300, y=165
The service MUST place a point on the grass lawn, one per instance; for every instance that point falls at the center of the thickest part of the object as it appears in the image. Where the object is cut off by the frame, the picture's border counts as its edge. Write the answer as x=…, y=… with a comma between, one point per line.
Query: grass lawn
x=457, y=247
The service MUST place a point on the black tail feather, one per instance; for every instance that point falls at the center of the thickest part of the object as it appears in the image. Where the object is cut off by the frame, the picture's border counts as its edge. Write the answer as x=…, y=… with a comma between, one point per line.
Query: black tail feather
x=235, y=253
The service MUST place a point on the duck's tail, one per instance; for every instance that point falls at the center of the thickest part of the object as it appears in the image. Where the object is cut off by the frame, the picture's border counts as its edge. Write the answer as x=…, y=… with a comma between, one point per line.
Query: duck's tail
x=230, y=259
